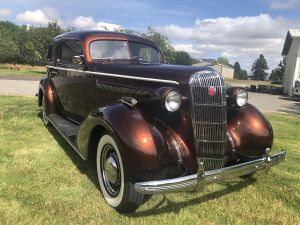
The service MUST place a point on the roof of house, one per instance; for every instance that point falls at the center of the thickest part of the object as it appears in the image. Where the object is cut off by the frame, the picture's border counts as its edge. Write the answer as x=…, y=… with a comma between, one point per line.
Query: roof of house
x=291, y=34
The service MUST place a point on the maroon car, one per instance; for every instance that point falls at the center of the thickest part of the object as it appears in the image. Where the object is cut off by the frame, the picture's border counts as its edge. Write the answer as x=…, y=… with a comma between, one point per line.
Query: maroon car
x=151, y=127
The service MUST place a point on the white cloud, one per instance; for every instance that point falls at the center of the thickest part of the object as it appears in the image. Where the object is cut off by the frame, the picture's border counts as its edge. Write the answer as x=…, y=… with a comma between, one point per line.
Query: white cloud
x=40, y=16
x=5, y=12
x=280, y=4
x=107, y=26
x=240, y=39
x=82, y=22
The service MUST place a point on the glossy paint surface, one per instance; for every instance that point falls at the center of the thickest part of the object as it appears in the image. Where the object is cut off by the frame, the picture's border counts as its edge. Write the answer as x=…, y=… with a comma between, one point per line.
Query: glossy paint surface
x=251, y=132
x=148, y=134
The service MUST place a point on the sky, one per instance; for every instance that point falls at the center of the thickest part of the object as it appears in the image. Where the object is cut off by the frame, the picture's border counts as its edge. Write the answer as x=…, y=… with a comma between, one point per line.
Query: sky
x=237, y=30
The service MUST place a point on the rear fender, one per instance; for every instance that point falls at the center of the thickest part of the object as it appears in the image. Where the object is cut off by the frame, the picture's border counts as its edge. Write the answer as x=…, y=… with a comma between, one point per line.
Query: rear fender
x=46, y=90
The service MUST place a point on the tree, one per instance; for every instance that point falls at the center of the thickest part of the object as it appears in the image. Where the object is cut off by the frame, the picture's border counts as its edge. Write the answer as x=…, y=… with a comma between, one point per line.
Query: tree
x=237, y=70
x=164, y=44
x=9, y=50
x=277, y=74
x=239, y=73
x=259, y=68
x=183, y=58
x=24, y=44
x=223, y=61
x=244, y=75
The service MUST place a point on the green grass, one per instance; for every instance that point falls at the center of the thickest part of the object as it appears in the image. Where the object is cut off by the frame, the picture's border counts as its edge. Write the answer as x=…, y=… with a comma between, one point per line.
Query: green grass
x=28, y=73
x=43, y=181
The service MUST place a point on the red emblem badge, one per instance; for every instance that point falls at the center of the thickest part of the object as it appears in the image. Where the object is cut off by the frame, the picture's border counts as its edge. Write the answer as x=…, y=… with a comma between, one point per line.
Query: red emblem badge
x=212, y=91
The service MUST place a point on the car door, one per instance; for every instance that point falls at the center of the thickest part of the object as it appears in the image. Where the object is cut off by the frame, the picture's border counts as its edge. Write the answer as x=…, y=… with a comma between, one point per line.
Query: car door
x=69, y=80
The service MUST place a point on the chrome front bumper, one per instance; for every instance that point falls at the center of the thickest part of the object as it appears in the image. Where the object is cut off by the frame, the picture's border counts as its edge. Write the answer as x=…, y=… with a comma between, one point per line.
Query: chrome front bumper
x=203, y=178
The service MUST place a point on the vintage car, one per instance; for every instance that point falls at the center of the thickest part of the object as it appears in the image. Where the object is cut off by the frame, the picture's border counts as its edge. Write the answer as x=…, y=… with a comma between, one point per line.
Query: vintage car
x=151, y=127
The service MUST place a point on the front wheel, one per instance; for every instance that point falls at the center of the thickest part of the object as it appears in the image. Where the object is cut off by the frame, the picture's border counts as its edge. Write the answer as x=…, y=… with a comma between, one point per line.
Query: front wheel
x=115, y=184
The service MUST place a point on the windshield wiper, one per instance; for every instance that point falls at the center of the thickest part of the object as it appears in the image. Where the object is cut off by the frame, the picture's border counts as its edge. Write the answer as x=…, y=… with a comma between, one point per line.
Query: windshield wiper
x=141, y=60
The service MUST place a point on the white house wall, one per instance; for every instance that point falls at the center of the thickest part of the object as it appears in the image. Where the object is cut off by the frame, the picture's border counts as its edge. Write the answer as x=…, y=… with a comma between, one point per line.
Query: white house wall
x=292, y=67
x=226, y=72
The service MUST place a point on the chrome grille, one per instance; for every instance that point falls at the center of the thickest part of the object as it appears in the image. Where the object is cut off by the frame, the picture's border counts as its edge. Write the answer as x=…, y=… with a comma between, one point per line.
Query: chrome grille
x=209, y=118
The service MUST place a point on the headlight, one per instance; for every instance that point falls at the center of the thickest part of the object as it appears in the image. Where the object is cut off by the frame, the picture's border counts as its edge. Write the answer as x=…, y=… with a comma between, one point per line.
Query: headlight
x=173, y=101
x=241, y=97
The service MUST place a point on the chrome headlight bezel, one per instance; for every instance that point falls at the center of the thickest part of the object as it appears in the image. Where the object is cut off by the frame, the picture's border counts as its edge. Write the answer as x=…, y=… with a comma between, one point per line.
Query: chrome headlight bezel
x=173, y=101
x=241, y=97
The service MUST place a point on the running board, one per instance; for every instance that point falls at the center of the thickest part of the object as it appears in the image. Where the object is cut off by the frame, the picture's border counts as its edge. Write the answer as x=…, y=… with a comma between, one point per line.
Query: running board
x=67, y=129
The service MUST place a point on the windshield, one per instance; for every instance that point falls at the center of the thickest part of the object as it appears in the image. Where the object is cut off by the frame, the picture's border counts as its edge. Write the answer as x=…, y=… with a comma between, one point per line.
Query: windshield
x=124, y=50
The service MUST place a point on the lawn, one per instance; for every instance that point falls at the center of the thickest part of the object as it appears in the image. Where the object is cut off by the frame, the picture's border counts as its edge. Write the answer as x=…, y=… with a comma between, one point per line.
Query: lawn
x=43, y=181
x=22, y=70
x=27, y=73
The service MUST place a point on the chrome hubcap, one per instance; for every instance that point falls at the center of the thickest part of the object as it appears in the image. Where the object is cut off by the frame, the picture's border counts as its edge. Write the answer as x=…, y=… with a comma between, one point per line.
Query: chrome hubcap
x=110, y=168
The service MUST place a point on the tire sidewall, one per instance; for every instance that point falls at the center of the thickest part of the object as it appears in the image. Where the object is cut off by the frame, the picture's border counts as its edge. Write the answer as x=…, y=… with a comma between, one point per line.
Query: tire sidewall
x=117, y=200
x=44, y=113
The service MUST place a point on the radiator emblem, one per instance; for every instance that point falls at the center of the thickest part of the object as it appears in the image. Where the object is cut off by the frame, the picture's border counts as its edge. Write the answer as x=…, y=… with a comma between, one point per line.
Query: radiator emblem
x=212, y=91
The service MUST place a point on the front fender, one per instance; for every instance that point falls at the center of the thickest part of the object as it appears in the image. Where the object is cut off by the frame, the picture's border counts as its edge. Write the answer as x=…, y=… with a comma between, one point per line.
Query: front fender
x=250, y=130
x=143, y=148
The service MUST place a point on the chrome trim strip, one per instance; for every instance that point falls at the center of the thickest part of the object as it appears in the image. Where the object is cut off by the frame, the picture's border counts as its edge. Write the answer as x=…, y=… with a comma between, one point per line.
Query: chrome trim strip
x=116, y=75
x=66, y=138
x=209, y=177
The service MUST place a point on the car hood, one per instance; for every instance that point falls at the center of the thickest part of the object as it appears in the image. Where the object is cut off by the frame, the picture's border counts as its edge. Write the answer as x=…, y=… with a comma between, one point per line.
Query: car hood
x=178, y=73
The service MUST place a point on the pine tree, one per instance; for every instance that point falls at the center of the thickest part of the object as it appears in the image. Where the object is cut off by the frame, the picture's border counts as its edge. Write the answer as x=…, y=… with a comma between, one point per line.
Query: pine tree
x=278, y=73
x=237, y=71
x=259, y=68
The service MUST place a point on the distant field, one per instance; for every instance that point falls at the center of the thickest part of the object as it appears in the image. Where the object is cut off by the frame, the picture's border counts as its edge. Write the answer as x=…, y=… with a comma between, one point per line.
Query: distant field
x=250, y=82
x=22, y=70
x=43, y=181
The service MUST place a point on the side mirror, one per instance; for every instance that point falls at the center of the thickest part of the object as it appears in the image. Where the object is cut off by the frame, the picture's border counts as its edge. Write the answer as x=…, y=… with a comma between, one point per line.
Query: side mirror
x=78, y=59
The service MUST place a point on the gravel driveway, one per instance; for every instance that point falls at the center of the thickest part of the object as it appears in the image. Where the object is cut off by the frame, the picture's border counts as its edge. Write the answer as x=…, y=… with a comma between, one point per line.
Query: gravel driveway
x=265, y=102
x=16, y=86
x=275, y=103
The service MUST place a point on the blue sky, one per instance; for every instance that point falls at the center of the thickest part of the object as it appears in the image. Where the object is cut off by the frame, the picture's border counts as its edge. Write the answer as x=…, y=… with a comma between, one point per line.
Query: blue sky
x=238, y=30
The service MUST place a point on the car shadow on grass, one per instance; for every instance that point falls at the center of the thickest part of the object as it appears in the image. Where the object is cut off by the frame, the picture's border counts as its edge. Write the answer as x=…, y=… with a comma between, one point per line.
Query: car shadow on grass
x=168, y=206
x=85, y=167
x=292, y=109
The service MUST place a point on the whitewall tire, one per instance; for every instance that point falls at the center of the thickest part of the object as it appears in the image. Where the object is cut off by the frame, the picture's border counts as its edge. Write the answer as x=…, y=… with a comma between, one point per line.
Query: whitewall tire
x=44, y=113
x=115, y=184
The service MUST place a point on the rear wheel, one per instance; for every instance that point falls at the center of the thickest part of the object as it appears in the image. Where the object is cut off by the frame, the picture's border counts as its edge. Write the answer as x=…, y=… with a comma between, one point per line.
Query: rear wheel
x=44, y=114
x=116, y=186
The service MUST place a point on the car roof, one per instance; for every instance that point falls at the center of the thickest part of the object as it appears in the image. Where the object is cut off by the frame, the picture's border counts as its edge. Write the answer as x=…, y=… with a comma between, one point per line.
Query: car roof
x=81, y=35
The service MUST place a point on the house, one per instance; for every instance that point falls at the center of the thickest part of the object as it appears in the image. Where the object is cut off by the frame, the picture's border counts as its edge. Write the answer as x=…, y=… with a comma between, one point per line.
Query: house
x=291, y=50
x=226, y=71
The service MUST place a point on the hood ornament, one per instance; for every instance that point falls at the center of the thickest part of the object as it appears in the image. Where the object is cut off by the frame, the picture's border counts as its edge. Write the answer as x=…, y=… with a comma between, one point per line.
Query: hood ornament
x=212, y=91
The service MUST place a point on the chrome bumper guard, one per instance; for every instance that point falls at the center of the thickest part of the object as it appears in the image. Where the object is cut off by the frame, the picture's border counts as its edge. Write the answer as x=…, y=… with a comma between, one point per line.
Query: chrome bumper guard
x=197, y=181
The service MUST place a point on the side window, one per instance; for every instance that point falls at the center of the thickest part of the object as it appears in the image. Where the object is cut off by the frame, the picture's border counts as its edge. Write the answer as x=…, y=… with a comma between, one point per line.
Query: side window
x=70, y=48
x=67, y=51
x=145, y=52
x=78, y=48
x=51, y=53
